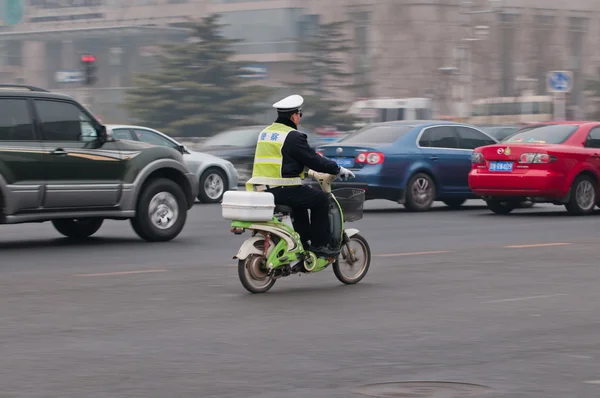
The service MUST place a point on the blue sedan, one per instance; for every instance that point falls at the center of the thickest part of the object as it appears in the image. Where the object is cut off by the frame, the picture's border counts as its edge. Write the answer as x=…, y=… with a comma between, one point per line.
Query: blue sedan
x=410, y=162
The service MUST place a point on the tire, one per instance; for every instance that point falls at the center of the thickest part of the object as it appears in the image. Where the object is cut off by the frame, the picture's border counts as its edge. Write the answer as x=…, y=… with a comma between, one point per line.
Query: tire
x=420, y=193
x=212, y=186
x=526, y=204
x=454, y=203
x=584, y=196
x=78, y=228
x=171, y=205
x=365, y=266
x=250, y=277
x=501, y=207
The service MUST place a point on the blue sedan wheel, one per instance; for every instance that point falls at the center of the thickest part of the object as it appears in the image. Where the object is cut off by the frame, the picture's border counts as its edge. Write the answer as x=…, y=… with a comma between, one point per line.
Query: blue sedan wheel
x=420, y=193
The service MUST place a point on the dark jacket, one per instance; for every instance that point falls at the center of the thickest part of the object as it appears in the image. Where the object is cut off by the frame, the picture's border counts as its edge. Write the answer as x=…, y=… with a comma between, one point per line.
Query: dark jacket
x=297, y=154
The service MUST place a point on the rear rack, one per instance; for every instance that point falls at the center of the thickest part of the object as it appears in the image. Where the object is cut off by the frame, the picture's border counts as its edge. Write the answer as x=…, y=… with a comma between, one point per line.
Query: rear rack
x=30, y=88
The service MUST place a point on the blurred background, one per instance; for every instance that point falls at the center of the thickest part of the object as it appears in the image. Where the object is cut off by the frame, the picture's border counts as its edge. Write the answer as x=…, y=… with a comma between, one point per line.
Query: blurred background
x=196, y=68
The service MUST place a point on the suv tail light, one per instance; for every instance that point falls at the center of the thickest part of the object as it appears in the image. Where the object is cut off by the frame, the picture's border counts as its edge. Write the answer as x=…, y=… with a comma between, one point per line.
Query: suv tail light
x=536, y=158
x=370, y=158
x=477, y=158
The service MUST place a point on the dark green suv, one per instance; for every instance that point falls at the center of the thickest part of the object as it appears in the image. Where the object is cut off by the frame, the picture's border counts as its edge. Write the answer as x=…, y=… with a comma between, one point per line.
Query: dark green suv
x=59, y=164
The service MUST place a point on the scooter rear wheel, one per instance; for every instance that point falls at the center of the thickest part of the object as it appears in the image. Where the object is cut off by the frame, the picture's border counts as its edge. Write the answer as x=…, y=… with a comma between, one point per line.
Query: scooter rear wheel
x=253, y=274
x=351, y=272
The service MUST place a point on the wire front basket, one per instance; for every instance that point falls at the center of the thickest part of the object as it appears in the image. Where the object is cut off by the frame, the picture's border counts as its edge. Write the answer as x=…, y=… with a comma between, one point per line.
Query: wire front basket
x=351, y=201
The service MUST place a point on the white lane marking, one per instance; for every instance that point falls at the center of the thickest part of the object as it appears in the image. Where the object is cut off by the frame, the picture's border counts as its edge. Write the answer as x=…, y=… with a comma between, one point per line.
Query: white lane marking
x=523, y=298
x=593, y=382
x=411, y=254
x=536, y=245
x=148, y=271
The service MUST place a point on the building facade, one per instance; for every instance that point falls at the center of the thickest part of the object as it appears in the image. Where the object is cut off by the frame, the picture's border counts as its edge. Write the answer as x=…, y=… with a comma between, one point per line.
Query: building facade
x=451, y=50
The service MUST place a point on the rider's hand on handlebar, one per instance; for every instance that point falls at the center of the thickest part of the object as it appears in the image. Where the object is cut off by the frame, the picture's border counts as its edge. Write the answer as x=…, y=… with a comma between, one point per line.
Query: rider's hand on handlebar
x=344, y=174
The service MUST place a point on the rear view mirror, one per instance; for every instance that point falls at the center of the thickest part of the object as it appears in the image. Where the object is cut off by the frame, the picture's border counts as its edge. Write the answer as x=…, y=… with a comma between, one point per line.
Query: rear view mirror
x=183, y=149
x=106, y=134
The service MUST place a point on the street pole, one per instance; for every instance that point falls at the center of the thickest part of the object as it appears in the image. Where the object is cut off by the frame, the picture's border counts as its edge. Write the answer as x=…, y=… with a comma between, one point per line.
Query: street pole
x=448, y=89
x=559, y=106
x=475, y=33
x=469, y=92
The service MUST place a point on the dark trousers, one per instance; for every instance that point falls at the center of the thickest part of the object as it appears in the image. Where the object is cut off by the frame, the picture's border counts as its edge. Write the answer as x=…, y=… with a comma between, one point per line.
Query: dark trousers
x=301, y=199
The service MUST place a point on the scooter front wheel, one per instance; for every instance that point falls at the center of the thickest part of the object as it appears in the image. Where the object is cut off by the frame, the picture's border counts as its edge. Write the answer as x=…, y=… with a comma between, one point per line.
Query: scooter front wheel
x=354, y=261
x=253, y=274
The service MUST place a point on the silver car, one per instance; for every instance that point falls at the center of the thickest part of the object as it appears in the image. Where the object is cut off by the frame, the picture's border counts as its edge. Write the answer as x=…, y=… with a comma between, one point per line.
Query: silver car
x=216, y=175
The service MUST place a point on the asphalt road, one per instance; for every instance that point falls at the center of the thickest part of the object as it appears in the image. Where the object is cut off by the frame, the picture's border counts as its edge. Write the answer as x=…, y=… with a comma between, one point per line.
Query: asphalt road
x=448, y=298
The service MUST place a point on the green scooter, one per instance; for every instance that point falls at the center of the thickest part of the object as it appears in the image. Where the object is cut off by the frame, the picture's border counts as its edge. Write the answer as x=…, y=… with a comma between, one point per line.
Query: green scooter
x=275, y=250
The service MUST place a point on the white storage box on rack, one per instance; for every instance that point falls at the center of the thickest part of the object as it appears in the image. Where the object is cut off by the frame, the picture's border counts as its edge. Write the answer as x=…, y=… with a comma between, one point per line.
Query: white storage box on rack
x=248, y=206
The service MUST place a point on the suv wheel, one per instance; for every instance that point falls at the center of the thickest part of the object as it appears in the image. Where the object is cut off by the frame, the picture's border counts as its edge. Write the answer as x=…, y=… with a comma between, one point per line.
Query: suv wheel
x=212, y=186
x=78, y=228
x=161, y=211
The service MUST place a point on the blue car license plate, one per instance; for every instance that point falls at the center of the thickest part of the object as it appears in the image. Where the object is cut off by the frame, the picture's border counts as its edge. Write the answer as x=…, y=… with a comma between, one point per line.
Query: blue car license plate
x=501, y=166
x=344, y=162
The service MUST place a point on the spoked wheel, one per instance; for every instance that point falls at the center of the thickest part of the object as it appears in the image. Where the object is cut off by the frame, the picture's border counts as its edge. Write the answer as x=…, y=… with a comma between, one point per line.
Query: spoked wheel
x=583, y=197
x=420, y=193
x=253, y=274
x=352, y=264
x=212, y=186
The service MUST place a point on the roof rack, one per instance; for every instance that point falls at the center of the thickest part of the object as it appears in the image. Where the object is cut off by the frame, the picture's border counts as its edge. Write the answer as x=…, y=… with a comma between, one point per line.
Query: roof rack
x=31, y=88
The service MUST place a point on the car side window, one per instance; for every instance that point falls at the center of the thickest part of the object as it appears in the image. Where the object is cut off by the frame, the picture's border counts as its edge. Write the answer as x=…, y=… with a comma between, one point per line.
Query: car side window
x=122, y=134
x=439, y=137
x=471, y=139
x=593, y=139
x=153, y=138
x=15, y=120
x=64, y=121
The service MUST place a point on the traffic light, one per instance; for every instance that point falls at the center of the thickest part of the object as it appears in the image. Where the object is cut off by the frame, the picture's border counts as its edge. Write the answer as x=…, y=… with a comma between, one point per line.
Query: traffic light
x=89, y=69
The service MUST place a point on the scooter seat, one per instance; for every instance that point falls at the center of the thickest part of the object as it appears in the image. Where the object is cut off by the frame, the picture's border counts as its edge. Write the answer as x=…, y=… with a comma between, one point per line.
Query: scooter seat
x=283, y=209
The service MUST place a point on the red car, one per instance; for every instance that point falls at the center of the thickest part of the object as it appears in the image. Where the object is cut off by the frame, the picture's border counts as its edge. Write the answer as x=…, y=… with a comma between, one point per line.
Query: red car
x=554, y=162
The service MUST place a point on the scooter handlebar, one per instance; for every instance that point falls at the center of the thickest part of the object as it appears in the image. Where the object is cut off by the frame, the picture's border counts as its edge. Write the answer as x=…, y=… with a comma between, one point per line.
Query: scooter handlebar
x=321, y=176
x=324, y=179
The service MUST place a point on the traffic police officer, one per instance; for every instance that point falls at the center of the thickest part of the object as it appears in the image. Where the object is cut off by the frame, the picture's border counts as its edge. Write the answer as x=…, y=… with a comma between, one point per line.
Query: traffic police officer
x=282, y=154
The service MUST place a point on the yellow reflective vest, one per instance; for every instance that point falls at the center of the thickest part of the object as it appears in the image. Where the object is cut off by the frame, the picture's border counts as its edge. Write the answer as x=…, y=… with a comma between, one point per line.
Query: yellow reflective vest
x=268, y=159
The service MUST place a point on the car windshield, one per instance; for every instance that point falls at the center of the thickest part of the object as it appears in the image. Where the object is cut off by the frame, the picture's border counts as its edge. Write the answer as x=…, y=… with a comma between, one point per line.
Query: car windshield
x=377, y=134
x=236, y=137
x=546, y=134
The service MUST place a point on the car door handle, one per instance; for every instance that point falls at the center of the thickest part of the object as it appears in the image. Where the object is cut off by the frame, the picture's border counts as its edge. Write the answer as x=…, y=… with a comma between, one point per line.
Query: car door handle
x=434, y=158
x=59, y=151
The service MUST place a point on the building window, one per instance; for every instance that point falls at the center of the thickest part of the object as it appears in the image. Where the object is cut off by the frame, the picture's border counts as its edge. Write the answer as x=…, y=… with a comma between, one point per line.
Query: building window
x=263, y=31
x=361, y=55
x=575, y=42
x=508, y=29
x=544, y=28
x=237, y=1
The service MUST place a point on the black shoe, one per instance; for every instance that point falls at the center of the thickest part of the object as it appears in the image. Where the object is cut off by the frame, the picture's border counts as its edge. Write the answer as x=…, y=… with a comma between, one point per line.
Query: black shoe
x=298, y=268
x=324, y=251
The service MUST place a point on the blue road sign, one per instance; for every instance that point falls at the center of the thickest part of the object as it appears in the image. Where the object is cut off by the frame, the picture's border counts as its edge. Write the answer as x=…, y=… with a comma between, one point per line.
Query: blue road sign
x=560, y=81
x=258, y=72
x=68, y=76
